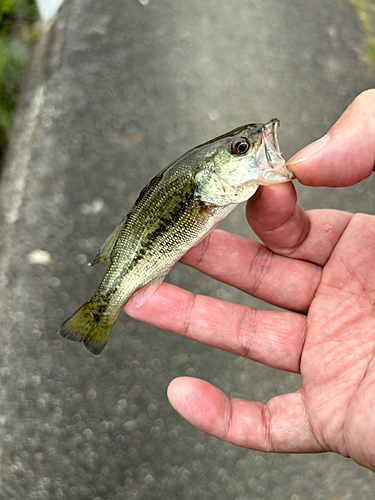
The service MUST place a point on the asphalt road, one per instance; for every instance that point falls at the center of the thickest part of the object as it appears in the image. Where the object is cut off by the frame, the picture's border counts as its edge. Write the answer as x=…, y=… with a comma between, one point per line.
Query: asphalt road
x=116, y=91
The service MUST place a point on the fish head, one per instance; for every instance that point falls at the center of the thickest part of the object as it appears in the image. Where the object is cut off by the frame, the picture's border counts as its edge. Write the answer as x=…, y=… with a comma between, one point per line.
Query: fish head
x=239, y=162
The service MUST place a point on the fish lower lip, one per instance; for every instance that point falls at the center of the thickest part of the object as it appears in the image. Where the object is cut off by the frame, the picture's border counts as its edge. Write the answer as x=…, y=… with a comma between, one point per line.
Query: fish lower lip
x=279, y=175
x=273, y=170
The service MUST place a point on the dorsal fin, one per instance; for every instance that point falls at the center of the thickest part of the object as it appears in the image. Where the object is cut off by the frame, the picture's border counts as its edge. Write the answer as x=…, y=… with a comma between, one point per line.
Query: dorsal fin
x=105, y=251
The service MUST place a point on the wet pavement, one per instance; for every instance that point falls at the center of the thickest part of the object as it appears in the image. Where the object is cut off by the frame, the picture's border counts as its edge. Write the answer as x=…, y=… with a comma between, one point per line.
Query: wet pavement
x=117, y=90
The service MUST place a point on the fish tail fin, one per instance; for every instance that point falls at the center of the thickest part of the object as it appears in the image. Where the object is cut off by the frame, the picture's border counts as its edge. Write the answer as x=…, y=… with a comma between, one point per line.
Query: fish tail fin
x=89, y=326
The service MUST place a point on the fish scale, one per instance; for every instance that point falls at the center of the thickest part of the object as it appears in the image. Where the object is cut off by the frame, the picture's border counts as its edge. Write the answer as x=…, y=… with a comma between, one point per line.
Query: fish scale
x=175, y=216
x=174, y=212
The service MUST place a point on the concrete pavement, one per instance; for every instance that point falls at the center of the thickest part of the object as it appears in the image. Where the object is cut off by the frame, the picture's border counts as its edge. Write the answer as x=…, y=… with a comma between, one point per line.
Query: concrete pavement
x=116, y=90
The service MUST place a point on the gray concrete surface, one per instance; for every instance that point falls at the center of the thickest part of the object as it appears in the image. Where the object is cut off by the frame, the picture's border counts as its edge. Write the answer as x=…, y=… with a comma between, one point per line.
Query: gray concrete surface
x=116, y=90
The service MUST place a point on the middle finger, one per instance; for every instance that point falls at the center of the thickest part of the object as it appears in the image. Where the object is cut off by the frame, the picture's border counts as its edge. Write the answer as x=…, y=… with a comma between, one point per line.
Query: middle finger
x=256, y=270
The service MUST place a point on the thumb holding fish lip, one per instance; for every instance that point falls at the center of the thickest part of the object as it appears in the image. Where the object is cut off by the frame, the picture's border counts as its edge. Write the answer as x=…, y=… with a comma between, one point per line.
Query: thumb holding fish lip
x=346, y=154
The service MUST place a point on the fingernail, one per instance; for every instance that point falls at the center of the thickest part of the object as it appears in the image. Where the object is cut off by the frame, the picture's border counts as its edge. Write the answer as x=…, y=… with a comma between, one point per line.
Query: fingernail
x=258, y=193
x=309, y=151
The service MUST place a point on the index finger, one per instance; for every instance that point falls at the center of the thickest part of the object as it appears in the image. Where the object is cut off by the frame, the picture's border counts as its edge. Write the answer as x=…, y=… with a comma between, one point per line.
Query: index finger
x=286, y=229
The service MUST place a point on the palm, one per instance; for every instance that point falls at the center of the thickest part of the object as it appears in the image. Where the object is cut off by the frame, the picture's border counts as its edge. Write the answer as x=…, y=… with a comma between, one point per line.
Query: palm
x=336, y=362
x=330, y=278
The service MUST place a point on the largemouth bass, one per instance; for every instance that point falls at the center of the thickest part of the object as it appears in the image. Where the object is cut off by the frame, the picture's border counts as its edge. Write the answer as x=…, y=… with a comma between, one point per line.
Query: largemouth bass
x=174, y=212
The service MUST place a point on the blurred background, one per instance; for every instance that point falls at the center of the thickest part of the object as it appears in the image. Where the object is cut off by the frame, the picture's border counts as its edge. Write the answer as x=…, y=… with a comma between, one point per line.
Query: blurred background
x=112, y=93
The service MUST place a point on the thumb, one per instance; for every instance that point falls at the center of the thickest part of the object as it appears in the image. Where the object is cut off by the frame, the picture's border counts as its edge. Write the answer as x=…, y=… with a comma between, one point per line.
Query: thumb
x=346, y=154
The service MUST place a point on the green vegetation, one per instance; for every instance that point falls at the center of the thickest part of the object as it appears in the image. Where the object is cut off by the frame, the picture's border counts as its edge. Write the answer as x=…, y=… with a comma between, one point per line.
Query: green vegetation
x=16, y=34
x=365, y=10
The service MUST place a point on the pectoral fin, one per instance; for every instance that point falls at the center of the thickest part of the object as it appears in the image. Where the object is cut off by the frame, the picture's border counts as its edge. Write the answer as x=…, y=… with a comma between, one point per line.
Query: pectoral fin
x=105, y=250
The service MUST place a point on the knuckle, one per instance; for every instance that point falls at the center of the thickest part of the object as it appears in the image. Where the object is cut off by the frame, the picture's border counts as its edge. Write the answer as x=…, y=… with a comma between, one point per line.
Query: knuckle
x=267, y=421
x=228, y=421
x=258, y=269
x=246, y=330
x=202, y=248
x=188, y=315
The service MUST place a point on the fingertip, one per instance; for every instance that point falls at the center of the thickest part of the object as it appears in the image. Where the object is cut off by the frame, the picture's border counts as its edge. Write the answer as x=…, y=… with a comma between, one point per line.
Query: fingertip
x=178, y=392
x=277, y=219
x=346, y=154
x=258, y=193
x=307, y=153
x=305, y=163
x=200, y=403
x=272, y=207
x=167, y=302
x=184, y=393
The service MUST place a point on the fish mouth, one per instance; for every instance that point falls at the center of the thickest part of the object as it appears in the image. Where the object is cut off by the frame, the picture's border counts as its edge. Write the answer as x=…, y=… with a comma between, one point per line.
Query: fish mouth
x=272, y=164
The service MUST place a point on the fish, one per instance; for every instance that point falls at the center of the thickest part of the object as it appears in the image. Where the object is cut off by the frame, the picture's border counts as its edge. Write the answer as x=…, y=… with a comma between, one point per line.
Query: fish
x=173, y=213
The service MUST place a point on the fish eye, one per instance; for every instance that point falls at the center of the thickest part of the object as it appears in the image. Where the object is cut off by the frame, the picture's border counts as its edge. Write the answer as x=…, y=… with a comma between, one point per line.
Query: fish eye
x=240, y=146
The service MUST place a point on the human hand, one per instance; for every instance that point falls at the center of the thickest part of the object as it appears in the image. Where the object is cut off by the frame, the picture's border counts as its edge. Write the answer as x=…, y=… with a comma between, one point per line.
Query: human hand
x=320, y=266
